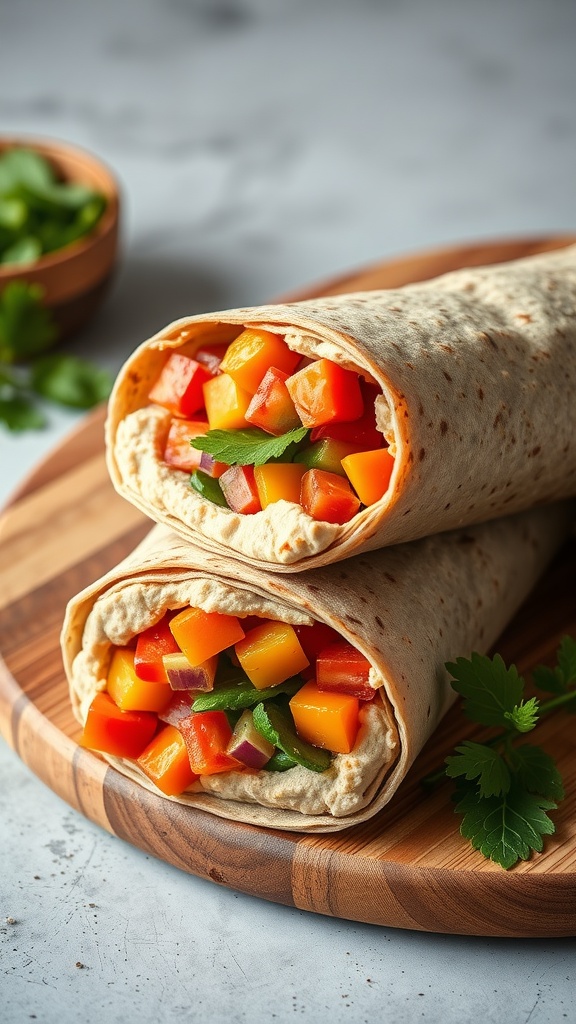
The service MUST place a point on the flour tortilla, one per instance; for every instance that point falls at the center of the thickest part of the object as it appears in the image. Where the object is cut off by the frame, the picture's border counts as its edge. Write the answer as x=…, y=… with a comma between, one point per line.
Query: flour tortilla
x=408, y=609
x=478, y=371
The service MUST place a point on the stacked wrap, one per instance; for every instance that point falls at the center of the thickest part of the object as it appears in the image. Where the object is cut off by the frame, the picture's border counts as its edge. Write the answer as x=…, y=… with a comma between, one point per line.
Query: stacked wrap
x=408, y=609
x=478, y=374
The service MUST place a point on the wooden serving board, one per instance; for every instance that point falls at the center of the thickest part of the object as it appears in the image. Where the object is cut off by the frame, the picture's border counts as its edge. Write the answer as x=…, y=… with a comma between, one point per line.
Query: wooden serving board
x=408, y=867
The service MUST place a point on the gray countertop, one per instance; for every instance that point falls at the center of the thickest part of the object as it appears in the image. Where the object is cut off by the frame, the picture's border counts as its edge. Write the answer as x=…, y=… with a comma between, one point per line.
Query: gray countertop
x=263, y=145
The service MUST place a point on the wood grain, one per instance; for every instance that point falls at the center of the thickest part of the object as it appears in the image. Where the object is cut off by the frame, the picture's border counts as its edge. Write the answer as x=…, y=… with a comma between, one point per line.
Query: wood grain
x=408, y=867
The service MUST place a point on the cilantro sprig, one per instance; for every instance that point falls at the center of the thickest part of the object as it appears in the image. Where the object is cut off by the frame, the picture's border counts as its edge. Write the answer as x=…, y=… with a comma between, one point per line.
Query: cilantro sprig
x=28, y=374
x=504, y=788
x=249, y=447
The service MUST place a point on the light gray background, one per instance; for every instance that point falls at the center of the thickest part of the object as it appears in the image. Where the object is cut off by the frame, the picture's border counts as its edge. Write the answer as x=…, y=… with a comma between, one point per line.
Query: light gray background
x=262, y=145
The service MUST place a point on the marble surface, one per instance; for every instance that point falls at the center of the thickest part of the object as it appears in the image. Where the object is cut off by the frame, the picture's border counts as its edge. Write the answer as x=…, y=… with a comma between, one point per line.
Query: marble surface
x=262, y=145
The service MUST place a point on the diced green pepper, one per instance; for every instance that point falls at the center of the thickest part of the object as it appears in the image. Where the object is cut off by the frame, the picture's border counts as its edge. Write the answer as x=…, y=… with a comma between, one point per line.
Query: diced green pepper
x=242, y=695
x=326, y=454
x=278, y=729
x=208, y=487
x=279, y=762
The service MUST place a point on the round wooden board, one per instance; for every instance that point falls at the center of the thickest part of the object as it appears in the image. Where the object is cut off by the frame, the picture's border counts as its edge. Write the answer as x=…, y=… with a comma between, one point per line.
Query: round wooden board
x=408, y=867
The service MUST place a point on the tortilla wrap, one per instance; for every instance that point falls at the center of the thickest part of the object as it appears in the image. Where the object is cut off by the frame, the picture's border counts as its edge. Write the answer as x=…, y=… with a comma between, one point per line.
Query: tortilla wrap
x=408, y=609
x=478, y=374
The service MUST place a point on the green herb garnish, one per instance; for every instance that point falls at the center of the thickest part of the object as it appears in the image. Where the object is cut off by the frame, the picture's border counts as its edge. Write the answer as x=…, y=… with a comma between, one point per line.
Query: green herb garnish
x=504, y=788
x=38, y=213
x=250, y=447
x=27, y=329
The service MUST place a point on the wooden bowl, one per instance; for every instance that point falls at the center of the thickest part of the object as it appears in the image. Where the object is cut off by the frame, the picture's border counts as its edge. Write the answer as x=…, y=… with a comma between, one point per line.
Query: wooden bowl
x=76, y=277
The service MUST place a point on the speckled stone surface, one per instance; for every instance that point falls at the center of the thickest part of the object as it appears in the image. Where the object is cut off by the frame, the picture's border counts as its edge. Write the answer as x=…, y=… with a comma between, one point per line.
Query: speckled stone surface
x=262, y=145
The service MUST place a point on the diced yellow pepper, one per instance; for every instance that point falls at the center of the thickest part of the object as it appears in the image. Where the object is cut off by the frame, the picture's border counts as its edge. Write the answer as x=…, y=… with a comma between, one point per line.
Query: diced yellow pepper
x=328, y=720
x=226, y=403
x=271, y=653
x=200, y=635
x=277, y=480
x=252, y=353
x=128, y=691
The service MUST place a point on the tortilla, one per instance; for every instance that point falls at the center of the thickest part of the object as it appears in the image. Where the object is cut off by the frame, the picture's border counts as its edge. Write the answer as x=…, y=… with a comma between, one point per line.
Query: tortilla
x=408, y=609
x=478, y=374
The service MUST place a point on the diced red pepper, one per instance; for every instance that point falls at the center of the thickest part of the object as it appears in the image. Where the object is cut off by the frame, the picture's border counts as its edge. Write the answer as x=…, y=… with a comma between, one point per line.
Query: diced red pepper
x=211, y=356
x=340, y=668
x=361, y=432
x=179, y=386
x=325, y=392
x=240, y=490
x=328, y=497
x=151, y=646
x=315, y=638
x=165, y=762
x=112, y=731
x=178, y=452
x=252, y=352
x=271, y=407
x=207, y=734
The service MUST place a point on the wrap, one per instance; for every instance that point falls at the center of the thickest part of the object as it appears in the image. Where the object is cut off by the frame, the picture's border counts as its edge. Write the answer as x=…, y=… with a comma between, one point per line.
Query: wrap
x=477, y=370
x=408, y=609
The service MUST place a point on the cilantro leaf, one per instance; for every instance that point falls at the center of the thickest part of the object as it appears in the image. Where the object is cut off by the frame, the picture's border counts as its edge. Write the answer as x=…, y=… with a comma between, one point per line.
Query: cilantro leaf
x=505, y=828
x=524, y=715
x=250, y=447
x=70, y=381
x=537, y=772
x=477, y=761
x=488, y=687
x=26, y=327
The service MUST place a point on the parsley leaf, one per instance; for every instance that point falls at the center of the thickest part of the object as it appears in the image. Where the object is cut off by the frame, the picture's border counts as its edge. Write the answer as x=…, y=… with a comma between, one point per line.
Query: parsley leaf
x=504, y=789
x=250, y=447
x=488, y=687
x=18, y=413
x=537, y=772
x=477, y=761
x=505, y=828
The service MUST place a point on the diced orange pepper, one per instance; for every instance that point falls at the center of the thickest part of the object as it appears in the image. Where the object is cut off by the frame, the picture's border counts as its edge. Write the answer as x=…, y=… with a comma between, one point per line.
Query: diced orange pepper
x=207, y=734
x=201, y=634
x=151, y=646
x=329, y=720
x=279, y=480
x=271, y=653
x=128, y=691
x=226, y=403
x=165, y=761
x=113, y=731
x=271, y=407
x=328, y=497
x=251, y=354
x=238, y=486
x=324, y=392
x=369, y=473
x=179, y=386
x=178, y=452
